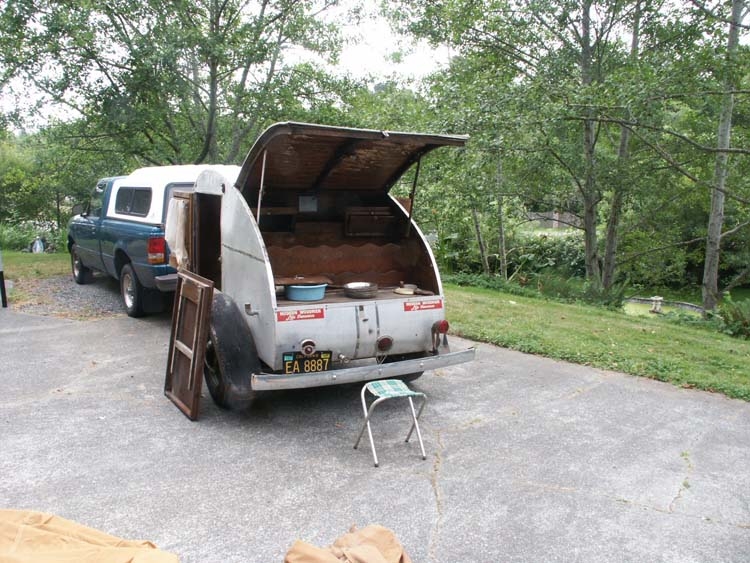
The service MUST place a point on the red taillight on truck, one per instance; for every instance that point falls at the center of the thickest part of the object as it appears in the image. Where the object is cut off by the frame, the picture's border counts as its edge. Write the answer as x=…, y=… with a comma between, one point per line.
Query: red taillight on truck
x=157, y=250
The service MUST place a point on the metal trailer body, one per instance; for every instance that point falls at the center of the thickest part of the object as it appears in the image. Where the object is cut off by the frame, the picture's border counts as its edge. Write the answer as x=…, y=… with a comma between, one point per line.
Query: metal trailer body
x=295, y=170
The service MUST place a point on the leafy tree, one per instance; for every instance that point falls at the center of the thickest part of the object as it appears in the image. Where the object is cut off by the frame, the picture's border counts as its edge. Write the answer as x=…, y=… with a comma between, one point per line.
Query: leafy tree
x=170, y=81
x=556, y=91
x=19, y=198
x=716, y=216
x=42, y=174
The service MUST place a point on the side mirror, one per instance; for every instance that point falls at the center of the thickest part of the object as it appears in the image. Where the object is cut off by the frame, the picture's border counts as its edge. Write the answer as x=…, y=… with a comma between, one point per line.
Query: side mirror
x=77, y=209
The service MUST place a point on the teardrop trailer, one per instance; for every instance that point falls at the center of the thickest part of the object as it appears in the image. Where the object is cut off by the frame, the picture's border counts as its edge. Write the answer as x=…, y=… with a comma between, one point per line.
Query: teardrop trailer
x=321, y=276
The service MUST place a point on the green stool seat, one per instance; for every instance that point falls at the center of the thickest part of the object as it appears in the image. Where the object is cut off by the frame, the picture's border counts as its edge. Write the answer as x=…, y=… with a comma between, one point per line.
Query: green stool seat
x=383, y=390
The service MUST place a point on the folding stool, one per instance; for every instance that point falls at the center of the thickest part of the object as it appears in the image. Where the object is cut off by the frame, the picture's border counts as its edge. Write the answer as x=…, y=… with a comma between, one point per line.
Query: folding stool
x=383, y=390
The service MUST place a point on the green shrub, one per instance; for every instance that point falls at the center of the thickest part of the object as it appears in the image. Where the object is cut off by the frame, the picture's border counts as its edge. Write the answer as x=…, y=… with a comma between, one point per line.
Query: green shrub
x=16, y=237
x=21, y=237
x=534, y=253
x=709, y=322
x=488, y=282
x=557, y=286
x=612, y=298
x=735, y=317
x=528, y=254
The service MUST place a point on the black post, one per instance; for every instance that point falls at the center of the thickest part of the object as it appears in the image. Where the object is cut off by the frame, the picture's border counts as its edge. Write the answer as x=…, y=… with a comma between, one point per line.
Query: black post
x=2, y=290
x=2, y=283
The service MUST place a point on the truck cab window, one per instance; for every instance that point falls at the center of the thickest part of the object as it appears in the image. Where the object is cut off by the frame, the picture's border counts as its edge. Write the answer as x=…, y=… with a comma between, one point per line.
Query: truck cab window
x=133, y=201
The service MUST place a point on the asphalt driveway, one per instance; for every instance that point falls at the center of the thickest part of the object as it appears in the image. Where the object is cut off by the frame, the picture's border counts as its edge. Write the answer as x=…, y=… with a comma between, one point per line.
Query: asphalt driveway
x=529, y=459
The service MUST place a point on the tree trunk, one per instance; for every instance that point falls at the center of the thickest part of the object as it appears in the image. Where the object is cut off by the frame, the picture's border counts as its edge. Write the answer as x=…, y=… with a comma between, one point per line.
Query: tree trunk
x=59, y=213
x=590, y=194
x=620, y=186
x=480, y=241
x=710, y=288
x=501, y=250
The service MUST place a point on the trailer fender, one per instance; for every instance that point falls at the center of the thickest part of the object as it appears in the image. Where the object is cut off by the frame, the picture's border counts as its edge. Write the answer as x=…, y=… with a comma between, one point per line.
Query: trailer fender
x=232, y=357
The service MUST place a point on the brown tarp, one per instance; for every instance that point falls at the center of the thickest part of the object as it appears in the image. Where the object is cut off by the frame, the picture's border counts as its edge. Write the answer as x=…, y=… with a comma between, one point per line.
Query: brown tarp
x=35, y=537
x=372, y=544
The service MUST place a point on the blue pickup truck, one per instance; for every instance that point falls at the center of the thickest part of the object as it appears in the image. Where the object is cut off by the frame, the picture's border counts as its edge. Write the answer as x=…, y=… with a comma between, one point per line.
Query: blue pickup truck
x=120, y=232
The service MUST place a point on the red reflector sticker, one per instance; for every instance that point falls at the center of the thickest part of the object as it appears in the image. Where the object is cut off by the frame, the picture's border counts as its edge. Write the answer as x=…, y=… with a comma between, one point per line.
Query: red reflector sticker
x=301, y=315
x=423, y=305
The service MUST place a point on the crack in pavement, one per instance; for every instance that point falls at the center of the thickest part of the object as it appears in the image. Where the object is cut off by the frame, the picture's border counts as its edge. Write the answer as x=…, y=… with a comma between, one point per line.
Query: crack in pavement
x=437, y=491
x=555, y=488
x=685, y=482
x=435, y=483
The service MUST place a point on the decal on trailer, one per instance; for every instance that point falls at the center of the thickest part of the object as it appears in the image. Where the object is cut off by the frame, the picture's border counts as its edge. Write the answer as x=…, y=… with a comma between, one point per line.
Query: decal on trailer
x=423, y=305
x=301, y=314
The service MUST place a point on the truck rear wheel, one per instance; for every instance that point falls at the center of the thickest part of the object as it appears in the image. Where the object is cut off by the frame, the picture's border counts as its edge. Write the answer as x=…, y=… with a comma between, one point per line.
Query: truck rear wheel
x=231, y=357
x=81, y=274
x=132, y=291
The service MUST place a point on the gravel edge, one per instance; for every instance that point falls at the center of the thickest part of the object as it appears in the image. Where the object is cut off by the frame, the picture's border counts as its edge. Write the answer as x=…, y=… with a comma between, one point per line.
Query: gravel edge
x=61, y=296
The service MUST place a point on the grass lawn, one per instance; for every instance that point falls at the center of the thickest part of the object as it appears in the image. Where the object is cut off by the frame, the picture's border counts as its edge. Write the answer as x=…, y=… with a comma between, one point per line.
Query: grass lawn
x=684, y=355
x=23, y=268
x=25, y=265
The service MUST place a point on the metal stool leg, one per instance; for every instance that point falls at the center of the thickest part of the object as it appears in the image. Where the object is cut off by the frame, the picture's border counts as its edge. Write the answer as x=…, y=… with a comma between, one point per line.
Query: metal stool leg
x=368, y=414
x=415, y=424
x=421, y=408
x=364, y=410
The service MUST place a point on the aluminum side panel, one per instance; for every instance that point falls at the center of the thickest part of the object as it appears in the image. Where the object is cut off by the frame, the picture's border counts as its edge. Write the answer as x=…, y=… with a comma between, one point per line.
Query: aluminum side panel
x=245, y=271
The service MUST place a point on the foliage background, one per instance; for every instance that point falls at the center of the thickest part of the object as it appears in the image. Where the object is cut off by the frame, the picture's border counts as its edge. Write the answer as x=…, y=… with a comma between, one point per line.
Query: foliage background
x=604, y=112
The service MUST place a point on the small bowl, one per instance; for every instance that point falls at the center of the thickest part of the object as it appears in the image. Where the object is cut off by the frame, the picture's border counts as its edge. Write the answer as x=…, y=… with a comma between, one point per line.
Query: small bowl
x=361, y=290
x=306, y=292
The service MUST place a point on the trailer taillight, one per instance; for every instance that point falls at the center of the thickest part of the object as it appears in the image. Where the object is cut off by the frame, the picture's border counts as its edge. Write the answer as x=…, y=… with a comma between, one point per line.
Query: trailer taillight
x=385, y=343
x=440, y=337
x=157, y=250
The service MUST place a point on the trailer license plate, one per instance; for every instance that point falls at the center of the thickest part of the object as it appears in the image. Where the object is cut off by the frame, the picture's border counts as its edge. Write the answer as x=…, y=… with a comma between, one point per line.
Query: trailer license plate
x=297, y=362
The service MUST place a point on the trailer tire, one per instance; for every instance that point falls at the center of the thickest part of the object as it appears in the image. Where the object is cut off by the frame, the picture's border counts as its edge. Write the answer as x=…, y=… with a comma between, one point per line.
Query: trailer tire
x=231, y=356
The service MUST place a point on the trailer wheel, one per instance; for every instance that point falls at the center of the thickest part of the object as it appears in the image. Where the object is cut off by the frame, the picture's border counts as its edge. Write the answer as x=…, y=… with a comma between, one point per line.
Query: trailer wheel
x=81, y=273
x=231, y=357
x=213, y=376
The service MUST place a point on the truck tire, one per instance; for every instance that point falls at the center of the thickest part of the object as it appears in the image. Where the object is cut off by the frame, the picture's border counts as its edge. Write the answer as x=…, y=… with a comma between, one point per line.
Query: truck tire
x=81, y=274
x=132, y=292
x=231, y=356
